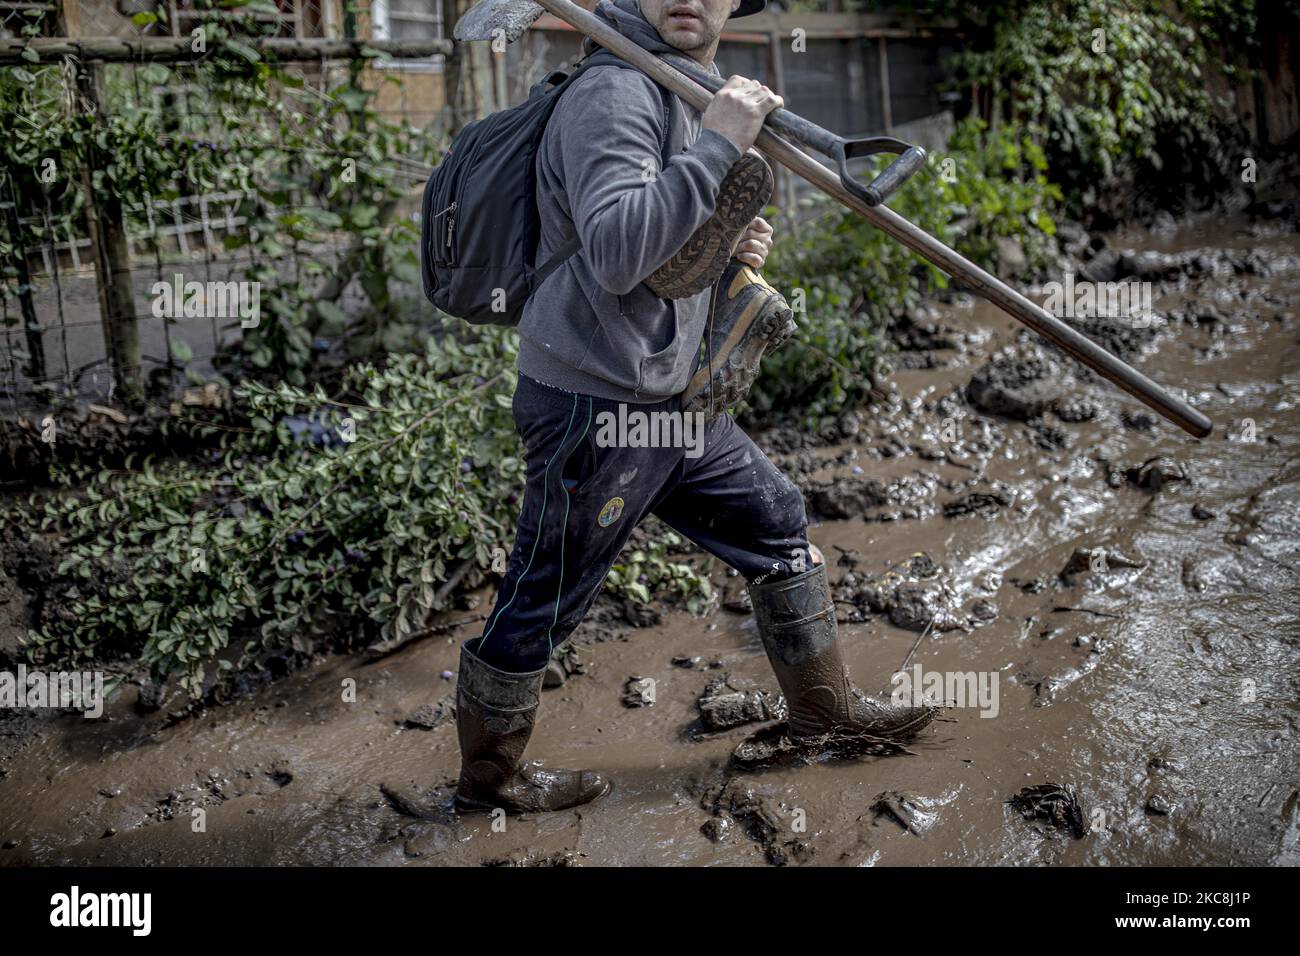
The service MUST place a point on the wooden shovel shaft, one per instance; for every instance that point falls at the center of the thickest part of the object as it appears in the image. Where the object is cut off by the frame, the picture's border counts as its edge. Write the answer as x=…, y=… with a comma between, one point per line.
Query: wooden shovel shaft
x=918, y=240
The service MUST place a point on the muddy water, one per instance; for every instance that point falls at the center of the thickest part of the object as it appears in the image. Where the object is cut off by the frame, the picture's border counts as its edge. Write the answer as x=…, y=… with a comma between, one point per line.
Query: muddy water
x=1164, y=694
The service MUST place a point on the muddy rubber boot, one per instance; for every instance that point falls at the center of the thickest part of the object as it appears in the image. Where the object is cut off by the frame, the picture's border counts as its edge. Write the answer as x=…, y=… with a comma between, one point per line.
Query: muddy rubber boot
x=495, y=713
x=796, y=619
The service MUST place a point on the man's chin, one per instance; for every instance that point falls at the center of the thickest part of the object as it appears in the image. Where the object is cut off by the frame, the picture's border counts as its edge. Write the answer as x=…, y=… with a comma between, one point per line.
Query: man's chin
x=685, y=40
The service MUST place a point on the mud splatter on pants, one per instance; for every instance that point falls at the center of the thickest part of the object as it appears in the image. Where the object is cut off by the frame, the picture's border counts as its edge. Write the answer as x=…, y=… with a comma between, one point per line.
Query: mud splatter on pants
x=582, y=500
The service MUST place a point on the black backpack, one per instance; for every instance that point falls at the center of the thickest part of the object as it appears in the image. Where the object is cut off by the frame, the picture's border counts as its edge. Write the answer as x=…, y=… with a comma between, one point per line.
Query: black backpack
x=479, y=226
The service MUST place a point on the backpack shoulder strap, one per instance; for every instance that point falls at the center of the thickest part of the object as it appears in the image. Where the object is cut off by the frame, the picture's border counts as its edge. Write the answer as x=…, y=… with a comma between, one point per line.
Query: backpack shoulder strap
x=602, y=57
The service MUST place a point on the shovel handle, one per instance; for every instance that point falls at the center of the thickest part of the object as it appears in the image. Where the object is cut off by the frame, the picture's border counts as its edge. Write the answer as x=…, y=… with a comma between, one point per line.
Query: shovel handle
x=782, y=121
x=897, y=173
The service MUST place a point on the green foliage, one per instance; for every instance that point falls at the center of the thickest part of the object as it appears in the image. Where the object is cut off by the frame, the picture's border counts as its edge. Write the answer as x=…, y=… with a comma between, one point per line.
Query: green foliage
x=997, y=187
x=847, y=280
x=649, y=572
x=177, y=561
x=1107, y=80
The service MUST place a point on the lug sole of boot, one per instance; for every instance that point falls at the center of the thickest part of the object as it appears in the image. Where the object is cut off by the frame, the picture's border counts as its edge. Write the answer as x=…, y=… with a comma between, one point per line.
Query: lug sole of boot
x=733, y=379
x=745, y=190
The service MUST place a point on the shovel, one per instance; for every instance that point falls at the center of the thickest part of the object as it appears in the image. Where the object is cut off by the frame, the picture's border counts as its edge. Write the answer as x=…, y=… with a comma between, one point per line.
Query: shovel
x=508, y=19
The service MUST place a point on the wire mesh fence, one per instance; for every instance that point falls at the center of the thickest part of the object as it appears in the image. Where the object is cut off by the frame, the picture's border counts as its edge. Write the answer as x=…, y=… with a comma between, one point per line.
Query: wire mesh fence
x=208, y=185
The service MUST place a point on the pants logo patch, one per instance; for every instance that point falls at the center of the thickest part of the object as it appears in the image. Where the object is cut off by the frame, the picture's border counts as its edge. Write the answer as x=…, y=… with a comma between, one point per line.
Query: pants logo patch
x=612, y=511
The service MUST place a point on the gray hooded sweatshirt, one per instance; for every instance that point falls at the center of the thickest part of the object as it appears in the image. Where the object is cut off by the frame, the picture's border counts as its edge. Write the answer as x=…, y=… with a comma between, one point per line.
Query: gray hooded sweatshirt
x=593, y=326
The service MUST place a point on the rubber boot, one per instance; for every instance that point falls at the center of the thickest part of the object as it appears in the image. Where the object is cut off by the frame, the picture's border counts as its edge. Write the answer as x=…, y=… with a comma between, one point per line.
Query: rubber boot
x=495, y=713
x=796, y=619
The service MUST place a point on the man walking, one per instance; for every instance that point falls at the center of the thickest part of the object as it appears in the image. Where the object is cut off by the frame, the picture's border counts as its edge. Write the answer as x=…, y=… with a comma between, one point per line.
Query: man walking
x=617, y=330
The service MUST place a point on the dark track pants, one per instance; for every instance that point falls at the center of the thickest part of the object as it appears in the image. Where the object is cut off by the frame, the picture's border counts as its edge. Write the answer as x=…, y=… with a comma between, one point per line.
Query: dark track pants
x=582, y=500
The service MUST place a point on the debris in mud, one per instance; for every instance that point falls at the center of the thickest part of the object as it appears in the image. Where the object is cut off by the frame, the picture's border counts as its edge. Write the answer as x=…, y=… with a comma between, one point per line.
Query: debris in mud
x=983, y=612
x=1087, y=564
x=906, y=809
x=908, y=594
x=914, y=607
x=849, y=557
x=696, y=663
x=772, y=747
x=735, y=596
x=1202, y=513
x=1126, y=340
x=848, y=497
x=726, y=704
x=151, y=699
x=1073, y=411
x=1058, y=805
x=642, y=615
x=1150, y=265
x=432, y=715
x=1017, y=387
x=1158, y=806
x=639, y=692
x=1138, y=421
x=1102, y=267
x=1155, y=473
x=717, y=829
x=917, y=331
x=564, y=663
x=1049, y=437
x=532, y=858
x=1034, y=586
x=754, y=811
x=434, y=809
x=921, y=565
x=977, y=503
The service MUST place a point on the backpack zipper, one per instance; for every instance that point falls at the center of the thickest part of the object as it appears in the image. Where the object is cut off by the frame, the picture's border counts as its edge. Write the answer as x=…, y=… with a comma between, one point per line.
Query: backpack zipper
x=451, y=222
x=460, y=186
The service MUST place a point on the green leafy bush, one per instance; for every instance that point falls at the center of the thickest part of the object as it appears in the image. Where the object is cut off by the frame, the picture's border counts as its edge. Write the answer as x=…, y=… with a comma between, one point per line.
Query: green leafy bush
x=649, y=573
x=281, y=538
x=847, y=280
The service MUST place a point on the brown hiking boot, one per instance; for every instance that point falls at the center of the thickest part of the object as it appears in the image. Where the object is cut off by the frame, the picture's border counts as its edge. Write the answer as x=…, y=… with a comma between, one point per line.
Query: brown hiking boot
x=495, y=713
x=796, y=619
x=743, y=193
x=748, y=319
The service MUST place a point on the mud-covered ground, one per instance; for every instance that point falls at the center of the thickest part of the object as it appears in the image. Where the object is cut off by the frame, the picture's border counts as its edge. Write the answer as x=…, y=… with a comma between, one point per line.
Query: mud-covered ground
x=1130, y=592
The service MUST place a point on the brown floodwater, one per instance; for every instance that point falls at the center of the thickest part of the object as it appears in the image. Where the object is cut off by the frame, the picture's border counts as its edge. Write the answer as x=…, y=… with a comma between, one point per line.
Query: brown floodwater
x=1164, y=695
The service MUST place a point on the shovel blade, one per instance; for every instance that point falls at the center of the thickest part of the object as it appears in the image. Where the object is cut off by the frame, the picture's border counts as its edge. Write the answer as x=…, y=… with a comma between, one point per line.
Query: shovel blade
x=490, y=19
